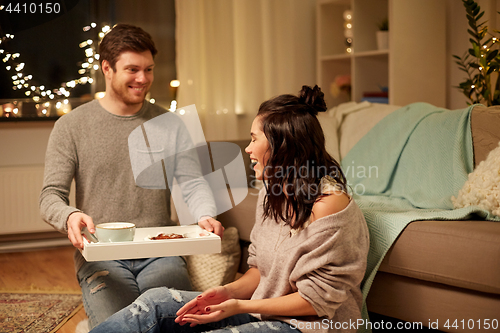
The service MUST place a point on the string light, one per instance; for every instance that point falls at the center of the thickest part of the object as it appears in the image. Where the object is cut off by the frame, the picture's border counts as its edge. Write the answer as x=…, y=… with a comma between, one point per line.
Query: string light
x=22, y=81
x=39, y=93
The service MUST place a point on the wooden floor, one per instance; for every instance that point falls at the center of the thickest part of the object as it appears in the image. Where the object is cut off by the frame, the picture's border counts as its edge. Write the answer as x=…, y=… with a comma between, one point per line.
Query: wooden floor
x=42, y=270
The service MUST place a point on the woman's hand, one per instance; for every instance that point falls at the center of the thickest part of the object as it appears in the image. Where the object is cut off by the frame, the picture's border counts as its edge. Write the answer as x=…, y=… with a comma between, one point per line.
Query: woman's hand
x=197, y=306
x=213, y=313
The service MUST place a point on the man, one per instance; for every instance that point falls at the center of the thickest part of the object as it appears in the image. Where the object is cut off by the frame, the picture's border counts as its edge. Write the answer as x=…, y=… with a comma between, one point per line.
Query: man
x=90, y=145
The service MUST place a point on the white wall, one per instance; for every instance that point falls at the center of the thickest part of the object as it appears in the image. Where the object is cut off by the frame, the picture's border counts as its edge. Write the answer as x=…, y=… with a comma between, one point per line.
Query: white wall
x=24, y=143
x=22, y=156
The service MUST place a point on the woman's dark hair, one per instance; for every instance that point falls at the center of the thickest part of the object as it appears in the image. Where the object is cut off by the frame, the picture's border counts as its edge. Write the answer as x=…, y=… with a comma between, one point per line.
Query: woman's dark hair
x=123, y=38
x=298, y=158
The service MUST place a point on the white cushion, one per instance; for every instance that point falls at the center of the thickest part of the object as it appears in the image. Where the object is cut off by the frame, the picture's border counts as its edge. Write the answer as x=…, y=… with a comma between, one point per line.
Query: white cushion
x=345, y=124
x=360, y=121
x=329, y=126
x=482, y=187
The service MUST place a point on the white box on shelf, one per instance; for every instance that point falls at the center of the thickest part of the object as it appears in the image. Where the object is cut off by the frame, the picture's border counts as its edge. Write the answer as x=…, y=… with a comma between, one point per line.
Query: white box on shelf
x=143, y=247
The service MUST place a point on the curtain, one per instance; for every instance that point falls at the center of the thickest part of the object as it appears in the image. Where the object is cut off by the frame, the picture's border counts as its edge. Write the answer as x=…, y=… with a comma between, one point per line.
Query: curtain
x=234, y=54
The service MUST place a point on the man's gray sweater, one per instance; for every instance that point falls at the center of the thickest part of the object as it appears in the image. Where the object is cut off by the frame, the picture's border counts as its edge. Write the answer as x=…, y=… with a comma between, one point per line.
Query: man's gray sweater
x=90, y=145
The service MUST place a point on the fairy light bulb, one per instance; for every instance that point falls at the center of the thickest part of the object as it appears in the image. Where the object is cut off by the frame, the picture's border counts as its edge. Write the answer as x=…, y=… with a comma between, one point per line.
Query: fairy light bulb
x=22, y=81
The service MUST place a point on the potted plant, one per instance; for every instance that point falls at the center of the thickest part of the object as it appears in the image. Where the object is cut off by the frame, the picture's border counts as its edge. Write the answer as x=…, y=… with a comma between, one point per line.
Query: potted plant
x=383, y=35
x=480, y=61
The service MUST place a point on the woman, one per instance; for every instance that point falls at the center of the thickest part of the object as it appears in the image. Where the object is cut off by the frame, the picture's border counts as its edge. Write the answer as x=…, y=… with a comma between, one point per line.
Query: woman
x=309, y=243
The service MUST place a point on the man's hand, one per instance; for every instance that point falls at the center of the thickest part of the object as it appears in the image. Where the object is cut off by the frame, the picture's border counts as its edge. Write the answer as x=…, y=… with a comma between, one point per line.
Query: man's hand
x=212, y=225
x=76, y=222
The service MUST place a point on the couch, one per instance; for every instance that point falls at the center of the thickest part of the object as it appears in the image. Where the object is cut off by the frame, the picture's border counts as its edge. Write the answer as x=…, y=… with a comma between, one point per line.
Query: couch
x=443, y=274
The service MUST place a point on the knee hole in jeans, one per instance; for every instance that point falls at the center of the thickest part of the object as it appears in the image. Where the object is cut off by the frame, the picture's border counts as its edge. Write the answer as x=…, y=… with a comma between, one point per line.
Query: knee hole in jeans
x=94, y=277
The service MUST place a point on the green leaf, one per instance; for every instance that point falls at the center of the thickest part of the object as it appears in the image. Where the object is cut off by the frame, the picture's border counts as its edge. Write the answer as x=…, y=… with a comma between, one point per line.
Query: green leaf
x=472, y=23
x=486, y=94
x=472, y=33
x=482, y=32
x=477, y=51
x=465, y=85
x=482, y=62
x=479, y=16
x=491, y=55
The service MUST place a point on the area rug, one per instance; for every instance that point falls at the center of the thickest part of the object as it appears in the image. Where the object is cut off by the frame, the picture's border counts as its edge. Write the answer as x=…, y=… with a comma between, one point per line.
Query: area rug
x=36, y=312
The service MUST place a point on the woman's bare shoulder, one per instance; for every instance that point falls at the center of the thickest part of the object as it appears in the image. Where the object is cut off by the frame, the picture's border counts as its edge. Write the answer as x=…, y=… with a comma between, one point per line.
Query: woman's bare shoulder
x=329, y=204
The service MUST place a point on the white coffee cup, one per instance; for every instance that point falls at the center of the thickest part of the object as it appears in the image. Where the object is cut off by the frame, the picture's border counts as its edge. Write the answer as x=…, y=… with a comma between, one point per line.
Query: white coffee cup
x=112, y=232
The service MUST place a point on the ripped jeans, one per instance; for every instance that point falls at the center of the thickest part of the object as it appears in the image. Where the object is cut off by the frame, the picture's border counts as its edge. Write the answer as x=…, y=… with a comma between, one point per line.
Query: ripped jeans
x=109, y=286
x=154, y=312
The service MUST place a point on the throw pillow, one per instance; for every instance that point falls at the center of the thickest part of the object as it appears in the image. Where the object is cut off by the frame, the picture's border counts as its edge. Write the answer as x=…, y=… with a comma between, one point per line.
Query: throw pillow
x=329, y=127
x=212, y=270
x=482, y=188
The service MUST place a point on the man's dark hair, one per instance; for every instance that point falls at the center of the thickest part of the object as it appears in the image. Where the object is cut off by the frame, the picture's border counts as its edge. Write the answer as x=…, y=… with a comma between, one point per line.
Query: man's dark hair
x=123, y=38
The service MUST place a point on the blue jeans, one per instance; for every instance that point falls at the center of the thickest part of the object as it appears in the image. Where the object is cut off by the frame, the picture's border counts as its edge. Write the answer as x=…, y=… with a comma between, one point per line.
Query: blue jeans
x=109, y=286
x=154, y=312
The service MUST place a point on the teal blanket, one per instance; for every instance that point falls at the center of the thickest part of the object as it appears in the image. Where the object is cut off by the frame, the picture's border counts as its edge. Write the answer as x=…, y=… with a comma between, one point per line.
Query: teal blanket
x=406, y=169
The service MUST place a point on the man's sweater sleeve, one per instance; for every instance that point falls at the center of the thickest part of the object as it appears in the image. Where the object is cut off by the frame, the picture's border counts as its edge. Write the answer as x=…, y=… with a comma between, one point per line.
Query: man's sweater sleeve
x=195, y=189
x=60, y=164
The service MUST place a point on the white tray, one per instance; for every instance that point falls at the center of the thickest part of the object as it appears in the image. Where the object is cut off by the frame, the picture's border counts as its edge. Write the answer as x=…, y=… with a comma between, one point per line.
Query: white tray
x=143, y=247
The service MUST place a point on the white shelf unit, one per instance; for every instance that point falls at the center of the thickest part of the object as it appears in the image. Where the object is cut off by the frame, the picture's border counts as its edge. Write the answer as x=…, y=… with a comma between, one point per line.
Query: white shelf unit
x=413, y=67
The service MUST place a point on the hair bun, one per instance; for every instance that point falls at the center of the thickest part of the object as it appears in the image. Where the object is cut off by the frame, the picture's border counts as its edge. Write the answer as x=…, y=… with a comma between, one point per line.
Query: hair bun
x=313, y=97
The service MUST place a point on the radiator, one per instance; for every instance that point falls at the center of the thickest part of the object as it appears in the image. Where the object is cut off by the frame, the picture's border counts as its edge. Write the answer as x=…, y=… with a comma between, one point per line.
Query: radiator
x=19, y=192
